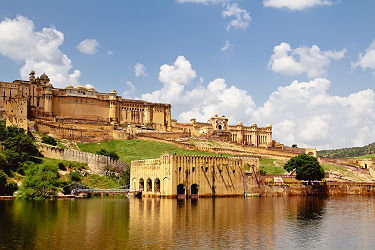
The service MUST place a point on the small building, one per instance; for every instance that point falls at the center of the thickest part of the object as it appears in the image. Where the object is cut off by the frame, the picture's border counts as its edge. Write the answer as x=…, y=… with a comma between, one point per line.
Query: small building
x=191, y=176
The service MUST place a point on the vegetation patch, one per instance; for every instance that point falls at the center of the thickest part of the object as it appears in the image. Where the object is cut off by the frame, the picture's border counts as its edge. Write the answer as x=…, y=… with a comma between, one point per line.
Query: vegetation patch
x=272, y=166
x=365, y=151
x=130, y=150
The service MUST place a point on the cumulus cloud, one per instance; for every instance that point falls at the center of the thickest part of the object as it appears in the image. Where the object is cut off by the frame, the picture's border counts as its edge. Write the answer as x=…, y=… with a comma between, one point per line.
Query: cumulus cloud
x=199, y=101
x=367, y=60
x=227, y=46
x=110, y=52
x=139, y=70
x=130, y=91
x=304, y=113
x=301, y=112
x=38, y=50
x=173, y=77
x=88, y=46
x=295, y=4
x=241, y=17
x=312, y=61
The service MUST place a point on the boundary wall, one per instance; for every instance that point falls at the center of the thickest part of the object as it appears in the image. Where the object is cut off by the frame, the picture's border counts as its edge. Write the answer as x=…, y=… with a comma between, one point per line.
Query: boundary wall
x=97, y=163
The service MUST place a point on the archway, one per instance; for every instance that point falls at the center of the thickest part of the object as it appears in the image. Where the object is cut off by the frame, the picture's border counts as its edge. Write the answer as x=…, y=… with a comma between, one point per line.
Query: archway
x=194, y=191
x=365, y=165
x=157, y=185
x=149, y=185
x=141, y=184
x=181, y=192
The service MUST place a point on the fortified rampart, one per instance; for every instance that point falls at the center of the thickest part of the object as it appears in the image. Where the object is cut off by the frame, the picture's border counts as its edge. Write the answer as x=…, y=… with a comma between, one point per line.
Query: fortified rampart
x=81, y=132
x=97, y=163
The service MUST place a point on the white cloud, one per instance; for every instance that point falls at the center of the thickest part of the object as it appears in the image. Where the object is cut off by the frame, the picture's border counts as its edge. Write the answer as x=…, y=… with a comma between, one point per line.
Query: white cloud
x=304, y=113
x=295, y=4
x=227, y=46
x=38, y=50
x=241, y=17
x=301, y=112
x=174, y=77
x=200, y=101
x=88, y=46
x=110, y=52
x=131, y=90
x=367, y=60
x=203, y=1
x=311, y=61
x=139, y=69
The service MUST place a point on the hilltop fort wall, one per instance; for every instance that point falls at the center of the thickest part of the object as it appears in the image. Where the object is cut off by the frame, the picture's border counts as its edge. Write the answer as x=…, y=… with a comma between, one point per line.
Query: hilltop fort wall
x=97, y=163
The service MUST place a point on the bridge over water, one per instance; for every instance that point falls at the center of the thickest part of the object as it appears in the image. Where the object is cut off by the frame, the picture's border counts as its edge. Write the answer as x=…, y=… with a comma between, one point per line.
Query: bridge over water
x=79, y=188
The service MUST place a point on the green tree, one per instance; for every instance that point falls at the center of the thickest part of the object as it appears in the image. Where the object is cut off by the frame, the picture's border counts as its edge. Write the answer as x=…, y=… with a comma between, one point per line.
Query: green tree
x=307, y=167
x=41, y=182
x=2, y=130
x=3, y=164
x=19, y=147
x=49, y=140
x=74, y=176
x=3, y=182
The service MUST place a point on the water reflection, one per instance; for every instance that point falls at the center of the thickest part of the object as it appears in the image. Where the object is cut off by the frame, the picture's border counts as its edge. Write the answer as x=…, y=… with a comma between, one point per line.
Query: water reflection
x=296, y=222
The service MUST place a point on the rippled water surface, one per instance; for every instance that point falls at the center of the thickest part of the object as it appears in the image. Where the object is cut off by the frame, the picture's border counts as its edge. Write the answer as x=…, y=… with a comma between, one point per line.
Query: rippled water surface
x=289, y=223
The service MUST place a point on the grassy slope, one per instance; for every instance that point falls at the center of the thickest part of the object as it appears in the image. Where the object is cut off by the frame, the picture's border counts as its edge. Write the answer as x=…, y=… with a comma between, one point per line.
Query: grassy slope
x=272, y=166
x=129, y=150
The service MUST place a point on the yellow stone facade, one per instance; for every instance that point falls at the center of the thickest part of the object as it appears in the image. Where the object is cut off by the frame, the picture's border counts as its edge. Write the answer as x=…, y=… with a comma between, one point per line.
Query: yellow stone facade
x=173, y=175
x=75, y=112
x=38, y=99
x=218, y=127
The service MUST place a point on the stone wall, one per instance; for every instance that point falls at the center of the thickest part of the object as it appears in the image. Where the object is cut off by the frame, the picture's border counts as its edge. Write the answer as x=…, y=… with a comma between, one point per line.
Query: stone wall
x=97, y=163
x=86, y=133
x=323, y=189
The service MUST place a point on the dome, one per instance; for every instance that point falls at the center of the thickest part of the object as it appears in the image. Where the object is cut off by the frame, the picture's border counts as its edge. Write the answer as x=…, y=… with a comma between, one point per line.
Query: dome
x=69, y=86
x=44, y=77
x=79, y=87
x=269, y=125
x=113, y=91
x=32, y=73
x=239, y=123
x=253, y=124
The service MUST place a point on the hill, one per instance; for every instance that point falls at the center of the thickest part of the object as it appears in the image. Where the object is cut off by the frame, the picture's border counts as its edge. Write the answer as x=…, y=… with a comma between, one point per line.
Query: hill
x=129, y=150
x=365, y=151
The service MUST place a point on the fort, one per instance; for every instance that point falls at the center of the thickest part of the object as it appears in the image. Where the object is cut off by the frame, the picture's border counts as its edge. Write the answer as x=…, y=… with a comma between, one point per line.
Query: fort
x=81, y=113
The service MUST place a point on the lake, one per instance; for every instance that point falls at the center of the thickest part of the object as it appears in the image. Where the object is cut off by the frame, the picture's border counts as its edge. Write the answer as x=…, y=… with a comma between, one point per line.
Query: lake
x=345, y=222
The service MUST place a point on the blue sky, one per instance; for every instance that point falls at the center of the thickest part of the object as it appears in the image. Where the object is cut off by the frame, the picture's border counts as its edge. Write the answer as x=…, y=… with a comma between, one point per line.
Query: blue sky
x=297, y=67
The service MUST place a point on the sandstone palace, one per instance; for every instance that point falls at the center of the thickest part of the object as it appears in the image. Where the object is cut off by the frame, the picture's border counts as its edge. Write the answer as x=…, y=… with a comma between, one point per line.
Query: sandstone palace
x=83, y=114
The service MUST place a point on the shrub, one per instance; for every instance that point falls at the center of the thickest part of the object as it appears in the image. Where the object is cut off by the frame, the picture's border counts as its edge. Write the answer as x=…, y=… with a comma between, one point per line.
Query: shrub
x=61, y=166
x=49, y=140
x=111, y=154
x=74, y=176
